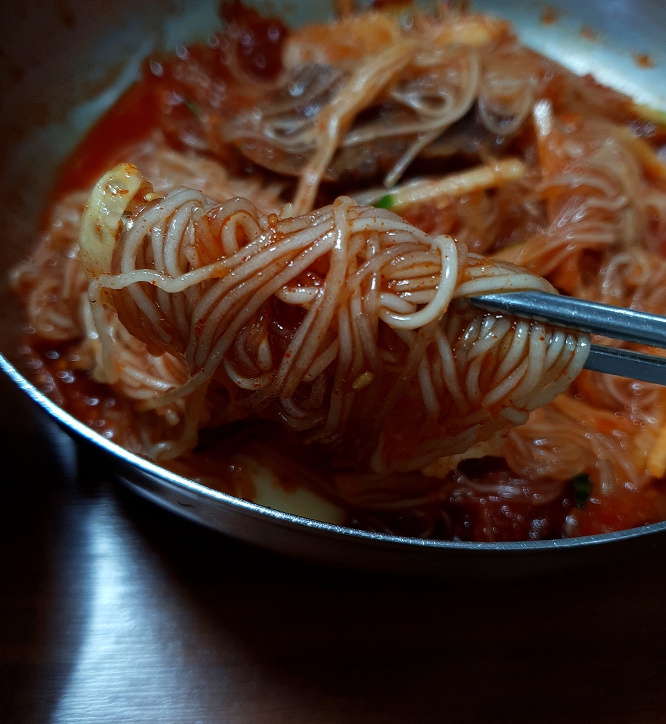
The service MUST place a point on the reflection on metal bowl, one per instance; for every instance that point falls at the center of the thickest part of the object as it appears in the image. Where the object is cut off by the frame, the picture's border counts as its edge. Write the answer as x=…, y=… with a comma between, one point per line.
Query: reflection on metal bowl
x=63, y=71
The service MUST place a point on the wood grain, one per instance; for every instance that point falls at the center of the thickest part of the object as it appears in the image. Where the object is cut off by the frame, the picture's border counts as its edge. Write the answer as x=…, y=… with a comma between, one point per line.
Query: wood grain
x=112, y=610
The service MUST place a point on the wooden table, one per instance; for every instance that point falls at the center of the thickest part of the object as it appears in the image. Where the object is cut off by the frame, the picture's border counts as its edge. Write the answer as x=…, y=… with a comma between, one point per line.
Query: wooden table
x=112, y=610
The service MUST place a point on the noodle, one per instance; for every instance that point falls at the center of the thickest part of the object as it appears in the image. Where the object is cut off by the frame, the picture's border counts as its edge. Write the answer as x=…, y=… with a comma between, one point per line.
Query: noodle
x=227, y=298
x=209, y=314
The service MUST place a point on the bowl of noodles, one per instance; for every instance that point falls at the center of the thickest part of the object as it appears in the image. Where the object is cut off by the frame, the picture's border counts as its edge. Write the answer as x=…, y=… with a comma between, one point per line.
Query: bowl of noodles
x=241, y=247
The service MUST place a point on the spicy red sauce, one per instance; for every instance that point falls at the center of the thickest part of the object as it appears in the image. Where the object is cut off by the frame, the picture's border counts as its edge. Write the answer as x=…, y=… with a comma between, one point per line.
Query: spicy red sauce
x=257, y=41
x=187, y=97
x=131, y=119
x=52, y=369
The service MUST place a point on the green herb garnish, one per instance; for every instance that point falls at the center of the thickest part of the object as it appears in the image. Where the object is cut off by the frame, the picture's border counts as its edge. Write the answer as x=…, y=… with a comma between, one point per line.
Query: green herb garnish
x=192, y=107
x=386, y=202
x=582, y=488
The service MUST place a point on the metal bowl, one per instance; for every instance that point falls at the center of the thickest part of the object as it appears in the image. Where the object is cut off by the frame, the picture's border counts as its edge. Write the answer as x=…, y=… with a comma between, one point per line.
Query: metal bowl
x=60, y=68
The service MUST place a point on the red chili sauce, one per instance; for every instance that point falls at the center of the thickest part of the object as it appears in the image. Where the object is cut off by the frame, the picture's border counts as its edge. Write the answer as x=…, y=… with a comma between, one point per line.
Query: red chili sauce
x=187, y=95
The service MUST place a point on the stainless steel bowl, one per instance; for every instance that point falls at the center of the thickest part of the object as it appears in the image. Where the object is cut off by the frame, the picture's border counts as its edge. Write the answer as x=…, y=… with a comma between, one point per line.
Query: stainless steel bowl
x=62, y=66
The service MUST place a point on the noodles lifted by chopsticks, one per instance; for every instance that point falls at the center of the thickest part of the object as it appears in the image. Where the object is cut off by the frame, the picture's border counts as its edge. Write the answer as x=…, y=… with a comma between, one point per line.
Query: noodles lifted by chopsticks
x=199, y=299
x=347, y=325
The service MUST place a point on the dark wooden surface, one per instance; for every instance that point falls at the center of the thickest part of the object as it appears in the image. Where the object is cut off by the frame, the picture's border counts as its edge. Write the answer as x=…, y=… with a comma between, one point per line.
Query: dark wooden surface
x=112, y=610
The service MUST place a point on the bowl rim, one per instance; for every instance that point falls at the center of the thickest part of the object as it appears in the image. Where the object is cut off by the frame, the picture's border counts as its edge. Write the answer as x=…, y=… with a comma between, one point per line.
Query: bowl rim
x=80, y=430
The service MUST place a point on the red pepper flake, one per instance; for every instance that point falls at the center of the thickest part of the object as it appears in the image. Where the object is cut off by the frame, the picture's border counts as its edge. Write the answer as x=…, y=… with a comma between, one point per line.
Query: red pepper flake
x=643, y=60
x=550, y=15
x=589, y=33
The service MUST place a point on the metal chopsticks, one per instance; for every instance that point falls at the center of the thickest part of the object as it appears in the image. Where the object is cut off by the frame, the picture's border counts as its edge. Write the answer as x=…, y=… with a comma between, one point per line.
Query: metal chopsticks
x=594, y=318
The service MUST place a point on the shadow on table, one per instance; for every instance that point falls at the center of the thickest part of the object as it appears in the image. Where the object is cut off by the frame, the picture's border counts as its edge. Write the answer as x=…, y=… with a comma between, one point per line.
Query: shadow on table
x=39, y=539
x=299, y=642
